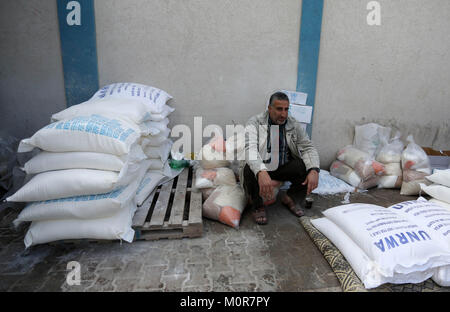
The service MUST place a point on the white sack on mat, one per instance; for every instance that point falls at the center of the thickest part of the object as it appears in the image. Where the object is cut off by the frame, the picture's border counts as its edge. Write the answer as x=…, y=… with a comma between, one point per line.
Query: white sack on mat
x=153, y=97
x=93, y=133
x=440, y=192
x=82, y=207
x=364, y=267
x=134, y=110
x=440, y=177
x=117, y=226
x=396, y=242
x=436, y=219
x=71, y=182
x=48, y=161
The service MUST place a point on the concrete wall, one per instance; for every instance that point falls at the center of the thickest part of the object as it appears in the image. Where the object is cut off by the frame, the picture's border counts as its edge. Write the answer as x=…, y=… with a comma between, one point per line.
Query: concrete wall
x=31, y=76
x=222, y=59
x=219, y=59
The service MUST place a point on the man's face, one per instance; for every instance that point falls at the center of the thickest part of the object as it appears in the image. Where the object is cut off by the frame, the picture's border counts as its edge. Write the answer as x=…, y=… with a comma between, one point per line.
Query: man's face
x=279, y=111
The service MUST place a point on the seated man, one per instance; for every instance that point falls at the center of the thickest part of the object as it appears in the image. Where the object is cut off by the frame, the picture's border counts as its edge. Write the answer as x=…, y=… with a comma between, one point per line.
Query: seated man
x=290, y=158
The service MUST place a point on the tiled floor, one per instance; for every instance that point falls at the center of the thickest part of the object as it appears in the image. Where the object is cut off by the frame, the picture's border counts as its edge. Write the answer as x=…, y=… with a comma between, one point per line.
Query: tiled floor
x=279, y=256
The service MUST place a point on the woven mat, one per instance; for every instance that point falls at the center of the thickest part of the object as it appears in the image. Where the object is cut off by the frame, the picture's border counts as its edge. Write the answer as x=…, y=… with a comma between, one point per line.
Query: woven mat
x=347, y=277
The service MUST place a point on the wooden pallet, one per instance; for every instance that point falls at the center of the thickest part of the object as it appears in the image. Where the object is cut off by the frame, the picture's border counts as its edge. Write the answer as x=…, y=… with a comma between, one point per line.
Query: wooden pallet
x=172, y=210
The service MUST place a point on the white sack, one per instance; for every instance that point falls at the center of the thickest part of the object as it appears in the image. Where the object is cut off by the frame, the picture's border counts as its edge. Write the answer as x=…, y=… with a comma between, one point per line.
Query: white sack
x=150, y=181
x=134, y=110
x=207, y=178
x=166, y=111
x=69, y=183
x=345, y=173
x=153, y=97
x=440, y=192
x=391, y=152
x=93, y=133
x=48, y=161
x=162, y=151
x=397, y=243
x=225, y=204
x=390, y=181
x=365, y=268
x=440, y=177
x=436, y=219
x=415, y=158
x=83, y=207
x=117, y=226
x=360, y=161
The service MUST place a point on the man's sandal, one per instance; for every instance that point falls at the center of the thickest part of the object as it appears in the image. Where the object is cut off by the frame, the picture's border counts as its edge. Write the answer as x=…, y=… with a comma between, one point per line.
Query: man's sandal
x=295, y=208
x=259, y=215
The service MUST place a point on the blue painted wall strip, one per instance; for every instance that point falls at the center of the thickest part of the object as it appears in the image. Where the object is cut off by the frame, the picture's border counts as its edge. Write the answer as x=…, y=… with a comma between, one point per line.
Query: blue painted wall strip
x=78, y=49
x=308, y=55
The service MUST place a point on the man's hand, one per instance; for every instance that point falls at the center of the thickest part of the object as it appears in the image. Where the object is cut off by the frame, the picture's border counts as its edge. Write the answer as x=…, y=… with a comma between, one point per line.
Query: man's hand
x=265, y=185
x=312, y=179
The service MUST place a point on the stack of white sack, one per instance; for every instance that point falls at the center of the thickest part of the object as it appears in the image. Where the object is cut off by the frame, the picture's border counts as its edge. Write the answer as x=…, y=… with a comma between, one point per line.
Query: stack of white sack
x=440, y=189
x=145, y=106
x=390, y=155
x=224, y=199
x=90, y=166
x=357, y=168
x=415, y=166
x=370, y=138
x=404, y=243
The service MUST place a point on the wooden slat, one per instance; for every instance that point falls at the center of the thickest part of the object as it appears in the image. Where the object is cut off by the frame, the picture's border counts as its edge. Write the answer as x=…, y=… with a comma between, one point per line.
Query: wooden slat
x=142, y=211
x=160, y=209
x=176, y=215
x=195, y=211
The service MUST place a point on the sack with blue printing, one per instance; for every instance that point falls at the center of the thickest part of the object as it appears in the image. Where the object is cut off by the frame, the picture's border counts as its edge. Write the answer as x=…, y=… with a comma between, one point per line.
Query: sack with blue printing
x=435, y=219
x=117, y=226
x=150, y=181
x=397, y=242
x=365, y=268
x=49, y=161
x=153, y=97
x=94, y=133
x=162, y=151
x=83, y=207
x=155, y=140
x=134, y=110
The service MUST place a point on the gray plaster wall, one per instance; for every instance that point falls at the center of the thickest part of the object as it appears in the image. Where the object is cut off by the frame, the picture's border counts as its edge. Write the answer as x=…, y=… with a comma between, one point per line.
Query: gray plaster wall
x=222, y=59
x=31, y=76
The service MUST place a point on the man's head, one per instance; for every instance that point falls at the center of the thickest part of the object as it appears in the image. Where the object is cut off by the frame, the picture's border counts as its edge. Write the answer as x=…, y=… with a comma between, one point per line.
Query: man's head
x=278, y=107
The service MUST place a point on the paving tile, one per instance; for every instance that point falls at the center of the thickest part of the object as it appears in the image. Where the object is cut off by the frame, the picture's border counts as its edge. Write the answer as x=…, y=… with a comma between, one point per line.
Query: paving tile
x=174, y=282
x=198, y=275
x=151, y=279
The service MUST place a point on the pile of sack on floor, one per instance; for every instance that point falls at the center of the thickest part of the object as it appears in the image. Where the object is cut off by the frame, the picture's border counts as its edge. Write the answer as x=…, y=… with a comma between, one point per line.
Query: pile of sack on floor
x=223, y=197
x=86, y=179
x=376, y=160
x=404, y=243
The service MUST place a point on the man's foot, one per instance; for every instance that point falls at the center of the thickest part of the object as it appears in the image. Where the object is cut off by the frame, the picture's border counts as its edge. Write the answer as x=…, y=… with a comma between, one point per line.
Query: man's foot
x=259, y=215
x=295, y=208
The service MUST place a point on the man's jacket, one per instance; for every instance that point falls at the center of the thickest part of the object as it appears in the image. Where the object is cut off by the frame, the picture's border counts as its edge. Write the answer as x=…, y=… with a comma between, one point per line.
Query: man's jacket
x=297, y=140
